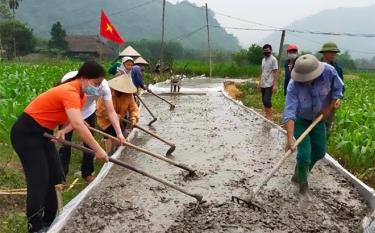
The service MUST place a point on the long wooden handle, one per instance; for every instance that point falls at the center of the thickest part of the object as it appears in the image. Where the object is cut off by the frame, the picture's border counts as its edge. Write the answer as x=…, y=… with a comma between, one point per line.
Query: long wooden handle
x=198, y=197
x=143, y=103
x=142, y=150
x=158, y=96
x=149, y=132
x=286, y=155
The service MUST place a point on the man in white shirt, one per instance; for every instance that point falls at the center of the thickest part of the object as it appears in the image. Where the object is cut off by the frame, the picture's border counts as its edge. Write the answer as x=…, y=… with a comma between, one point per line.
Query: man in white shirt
x=268, y=80
x=88, y=114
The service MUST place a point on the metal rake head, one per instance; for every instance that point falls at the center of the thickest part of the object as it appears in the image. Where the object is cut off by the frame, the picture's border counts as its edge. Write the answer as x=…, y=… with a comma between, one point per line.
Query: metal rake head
x=172, y=107
x=170, y=150
x=247, y=202
x=151, y=122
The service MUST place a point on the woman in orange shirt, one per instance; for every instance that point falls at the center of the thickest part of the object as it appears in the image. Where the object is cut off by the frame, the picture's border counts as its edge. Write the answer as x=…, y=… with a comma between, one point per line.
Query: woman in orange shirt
x=57, y=106
x=122, y=89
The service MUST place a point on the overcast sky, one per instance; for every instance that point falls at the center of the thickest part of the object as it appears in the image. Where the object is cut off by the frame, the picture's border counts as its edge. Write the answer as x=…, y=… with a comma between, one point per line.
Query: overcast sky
x=276, y=13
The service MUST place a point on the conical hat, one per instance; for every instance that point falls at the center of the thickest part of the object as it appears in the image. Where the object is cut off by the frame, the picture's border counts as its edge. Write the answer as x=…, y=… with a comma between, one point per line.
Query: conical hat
x=129, y=52
x=140, y=60
x=123, y=84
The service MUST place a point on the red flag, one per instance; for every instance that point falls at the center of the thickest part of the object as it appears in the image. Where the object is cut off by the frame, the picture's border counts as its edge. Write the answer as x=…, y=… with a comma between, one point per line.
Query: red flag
x=108, y=31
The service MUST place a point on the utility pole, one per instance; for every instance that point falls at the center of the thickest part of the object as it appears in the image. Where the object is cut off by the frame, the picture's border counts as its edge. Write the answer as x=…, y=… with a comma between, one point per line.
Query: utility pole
x=162, y=40
x=209, y=43
x=281, y=48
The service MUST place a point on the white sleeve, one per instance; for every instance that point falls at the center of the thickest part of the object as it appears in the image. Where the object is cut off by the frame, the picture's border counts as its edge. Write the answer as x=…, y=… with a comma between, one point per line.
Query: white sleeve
x=274, y=64
x=69, y=75
x=105, y=91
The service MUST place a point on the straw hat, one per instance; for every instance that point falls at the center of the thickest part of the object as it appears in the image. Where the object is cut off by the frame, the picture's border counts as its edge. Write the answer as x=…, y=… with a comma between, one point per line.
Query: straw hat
x=123, y=84
x=140, y=61
x=129, y=52
x=307, y=68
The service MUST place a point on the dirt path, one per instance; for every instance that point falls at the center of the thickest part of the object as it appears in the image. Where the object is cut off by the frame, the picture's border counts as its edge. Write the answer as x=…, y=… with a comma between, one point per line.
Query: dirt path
x=233, y=150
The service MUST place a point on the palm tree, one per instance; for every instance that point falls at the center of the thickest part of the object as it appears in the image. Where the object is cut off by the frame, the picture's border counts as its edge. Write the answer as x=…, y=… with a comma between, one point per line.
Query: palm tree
x=14, y=4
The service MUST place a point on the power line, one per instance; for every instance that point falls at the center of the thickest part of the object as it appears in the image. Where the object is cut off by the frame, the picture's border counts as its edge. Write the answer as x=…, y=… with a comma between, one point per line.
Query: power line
x=301, y=32
x=320, y=43
x=246, y=29
x=233, y=17
x=187, y=35
x=368, y=35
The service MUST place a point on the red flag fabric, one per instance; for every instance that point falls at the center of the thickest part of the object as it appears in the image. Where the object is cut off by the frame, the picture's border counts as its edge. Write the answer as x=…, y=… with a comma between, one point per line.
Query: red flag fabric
x=107, y=30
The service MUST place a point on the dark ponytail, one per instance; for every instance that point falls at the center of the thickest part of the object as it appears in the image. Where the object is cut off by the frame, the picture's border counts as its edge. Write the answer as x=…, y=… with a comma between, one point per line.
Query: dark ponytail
x=90, y=70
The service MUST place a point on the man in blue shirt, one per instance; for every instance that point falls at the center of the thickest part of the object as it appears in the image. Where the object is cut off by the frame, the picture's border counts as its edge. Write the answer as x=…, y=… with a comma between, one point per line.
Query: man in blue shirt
x=315, y=88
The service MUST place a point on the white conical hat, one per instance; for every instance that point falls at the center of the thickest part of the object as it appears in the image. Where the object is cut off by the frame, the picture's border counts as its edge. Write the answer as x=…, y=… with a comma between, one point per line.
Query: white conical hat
x=123, y=84
x=140, y=60
x=129, y=52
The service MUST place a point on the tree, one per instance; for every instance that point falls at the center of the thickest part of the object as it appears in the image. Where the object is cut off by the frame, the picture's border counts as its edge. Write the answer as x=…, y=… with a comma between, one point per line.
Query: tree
x=240, y=58
x=346, y=61
x=253, y=55
x=25, y=41
x=14, y=4
x=4, y=10
x=58, y=35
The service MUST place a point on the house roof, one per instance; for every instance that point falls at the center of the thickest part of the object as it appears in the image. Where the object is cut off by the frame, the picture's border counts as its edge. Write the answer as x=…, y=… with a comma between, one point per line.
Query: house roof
x=87, y=44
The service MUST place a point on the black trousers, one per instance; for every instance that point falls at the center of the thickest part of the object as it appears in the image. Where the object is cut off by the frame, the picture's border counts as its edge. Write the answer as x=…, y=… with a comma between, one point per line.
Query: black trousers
x=42, y=169
x=267, y=96
x=87, y=165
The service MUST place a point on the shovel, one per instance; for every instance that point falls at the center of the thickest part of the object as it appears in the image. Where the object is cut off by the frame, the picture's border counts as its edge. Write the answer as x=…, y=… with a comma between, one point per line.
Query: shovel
x=248, y=201
x=179, y=165
x=198, y=197
x=172, y=106
x=149, y=111
x=173, y=146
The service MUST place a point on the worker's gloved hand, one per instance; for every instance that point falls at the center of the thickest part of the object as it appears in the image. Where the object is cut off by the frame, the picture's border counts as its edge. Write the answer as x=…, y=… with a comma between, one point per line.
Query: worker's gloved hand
x=121, y=138
x=101, y=154
x=290, y=144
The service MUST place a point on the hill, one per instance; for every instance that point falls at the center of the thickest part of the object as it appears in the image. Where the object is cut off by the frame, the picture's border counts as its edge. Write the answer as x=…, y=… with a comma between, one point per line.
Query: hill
x=352, y=20
x=134, y=19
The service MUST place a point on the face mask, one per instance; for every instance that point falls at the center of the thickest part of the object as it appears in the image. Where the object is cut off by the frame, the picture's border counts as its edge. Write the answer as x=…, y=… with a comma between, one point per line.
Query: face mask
x=292, y=56
x=91, y=90
x=267, y=54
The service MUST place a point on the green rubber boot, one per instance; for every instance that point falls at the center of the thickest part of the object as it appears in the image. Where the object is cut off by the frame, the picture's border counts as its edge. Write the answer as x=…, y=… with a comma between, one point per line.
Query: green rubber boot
x=303, y=172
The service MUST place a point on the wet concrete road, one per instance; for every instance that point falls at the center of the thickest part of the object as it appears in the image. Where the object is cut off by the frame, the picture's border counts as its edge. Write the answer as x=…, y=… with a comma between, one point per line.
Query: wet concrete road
x=232, y=150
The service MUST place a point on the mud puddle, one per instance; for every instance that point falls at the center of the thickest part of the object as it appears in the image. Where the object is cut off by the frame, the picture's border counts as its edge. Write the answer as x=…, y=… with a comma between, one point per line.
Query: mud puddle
x=232, y=150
